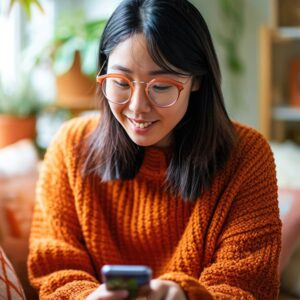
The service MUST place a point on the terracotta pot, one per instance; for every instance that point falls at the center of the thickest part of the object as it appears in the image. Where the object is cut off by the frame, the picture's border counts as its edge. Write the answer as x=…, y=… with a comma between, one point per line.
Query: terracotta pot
x=74, y=89
x=13, y=129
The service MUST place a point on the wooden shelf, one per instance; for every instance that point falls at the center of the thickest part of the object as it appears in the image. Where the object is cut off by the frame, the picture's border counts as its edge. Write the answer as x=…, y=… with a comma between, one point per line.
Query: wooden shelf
x=285, y=113
x=289, y=32
x=278, y=48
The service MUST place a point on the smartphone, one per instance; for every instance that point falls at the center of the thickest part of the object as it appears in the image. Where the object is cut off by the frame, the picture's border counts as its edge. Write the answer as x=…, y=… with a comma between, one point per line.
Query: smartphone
x=135, y=279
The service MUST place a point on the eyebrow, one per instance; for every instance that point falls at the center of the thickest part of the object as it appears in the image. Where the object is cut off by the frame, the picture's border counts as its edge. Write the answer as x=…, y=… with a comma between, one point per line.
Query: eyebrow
x=151, y=73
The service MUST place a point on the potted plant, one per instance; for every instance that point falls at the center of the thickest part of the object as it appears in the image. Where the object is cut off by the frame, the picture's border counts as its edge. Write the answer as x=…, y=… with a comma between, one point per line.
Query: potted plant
x=73, y=53
x=19, y=106
x=26, y=5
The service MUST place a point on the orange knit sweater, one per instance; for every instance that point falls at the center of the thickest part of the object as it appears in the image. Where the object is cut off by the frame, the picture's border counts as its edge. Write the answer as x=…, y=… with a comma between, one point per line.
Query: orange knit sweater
x=223, y=246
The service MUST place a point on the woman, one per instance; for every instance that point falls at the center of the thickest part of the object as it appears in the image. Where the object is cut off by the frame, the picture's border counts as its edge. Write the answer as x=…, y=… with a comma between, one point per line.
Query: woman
x=163, y=178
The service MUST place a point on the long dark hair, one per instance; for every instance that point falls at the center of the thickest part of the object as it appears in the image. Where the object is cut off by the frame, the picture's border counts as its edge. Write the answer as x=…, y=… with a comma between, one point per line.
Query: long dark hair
x=177, y=36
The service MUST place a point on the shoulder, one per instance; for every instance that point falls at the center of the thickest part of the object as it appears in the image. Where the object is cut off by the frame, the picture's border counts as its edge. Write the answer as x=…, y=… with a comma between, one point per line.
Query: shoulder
x=250, y=140
x=78, y=127
x=70, y=139
x=75, y=130
x=252, y=151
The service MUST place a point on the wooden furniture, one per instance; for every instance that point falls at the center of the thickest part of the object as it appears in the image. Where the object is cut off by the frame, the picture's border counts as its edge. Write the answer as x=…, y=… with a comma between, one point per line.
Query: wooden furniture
x=280, y=73
x=280, y=79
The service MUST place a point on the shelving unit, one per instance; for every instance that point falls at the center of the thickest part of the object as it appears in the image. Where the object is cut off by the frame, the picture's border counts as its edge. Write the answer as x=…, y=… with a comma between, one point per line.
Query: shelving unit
x=279, y=47
x=285, y=113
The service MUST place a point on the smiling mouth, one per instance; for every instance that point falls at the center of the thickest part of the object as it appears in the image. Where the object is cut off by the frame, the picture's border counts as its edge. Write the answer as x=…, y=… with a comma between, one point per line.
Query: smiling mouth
x=141, y=125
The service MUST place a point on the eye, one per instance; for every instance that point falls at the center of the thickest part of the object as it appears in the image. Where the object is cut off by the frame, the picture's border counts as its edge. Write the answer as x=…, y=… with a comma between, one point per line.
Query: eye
x=161, y=87
x=120, y=83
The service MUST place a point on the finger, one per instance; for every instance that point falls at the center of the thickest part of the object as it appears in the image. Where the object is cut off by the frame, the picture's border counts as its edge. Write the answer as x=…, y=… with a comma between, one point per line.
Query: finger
x=103, y=294
x=118, y=295
x=174, y=293
x=158, y=290
x=143, y=291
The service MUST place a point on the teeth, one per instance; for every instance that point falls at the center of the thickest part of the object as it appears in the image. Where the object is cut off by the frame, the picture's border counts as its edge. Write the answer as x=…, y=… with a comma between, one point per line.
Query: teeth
x=141, y=125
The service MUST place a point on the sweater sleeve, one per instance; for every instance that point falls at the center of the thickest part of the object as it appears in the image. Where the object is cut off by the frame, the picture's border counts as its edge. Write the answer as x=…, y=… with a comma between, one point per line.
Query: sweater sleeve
x=244, y=263
x=59, y=266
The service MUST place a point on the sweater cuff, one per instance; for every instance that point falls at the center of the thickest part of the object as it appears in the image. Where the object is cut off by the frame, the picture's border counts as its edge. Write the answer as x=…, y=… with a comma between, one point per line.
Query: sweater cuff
x=190, y=285
x=75, y=290
x=68, y=288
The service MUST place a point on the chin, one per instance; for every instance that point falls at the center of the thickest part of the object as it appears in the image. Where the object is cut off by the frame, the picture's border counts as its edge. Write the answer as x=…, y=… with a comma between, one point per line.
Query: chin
x=146, y=142
x=143, y=144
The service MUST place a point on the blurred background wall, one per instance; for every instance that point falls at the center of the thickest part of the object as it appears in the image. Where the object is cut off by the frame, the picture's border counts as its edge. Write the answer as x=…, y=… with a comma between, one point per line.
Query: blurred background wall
x=243, y=103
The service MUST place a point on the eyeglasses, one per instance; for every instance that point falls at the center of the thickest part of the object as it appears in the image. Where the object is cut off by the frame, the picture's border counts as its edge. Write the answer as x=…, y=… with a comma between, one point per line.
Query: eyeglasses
x=118, y=89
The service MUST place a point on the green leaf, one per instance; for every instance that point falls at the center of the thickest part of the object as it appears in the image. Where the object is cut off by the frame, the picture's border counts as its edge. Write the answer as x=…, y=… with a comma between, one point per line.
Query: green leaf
x=83, y=36
x=65, y=54
x=20, y=98
x=11, y=4
x=229, y=36
x=89, y=58
x=26, y=5
x=39, y=6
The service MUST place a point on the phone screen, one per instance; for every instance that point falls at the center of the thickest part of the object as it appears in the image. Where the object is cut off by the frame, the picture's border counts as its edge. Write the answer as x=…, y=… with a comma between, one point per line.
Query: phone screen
x=135, y=279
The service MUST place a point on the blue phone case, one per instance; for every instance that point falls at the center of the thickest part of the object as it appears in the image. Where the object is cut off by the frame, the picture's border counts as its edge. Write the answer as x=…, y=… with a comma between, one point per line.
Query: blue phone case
x=129, y=277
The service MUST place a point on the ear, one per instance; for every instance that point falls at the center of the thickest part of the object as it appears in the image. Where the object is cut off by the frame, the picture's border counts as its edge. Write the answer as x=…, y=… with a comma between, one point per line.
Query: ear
x=196, y=84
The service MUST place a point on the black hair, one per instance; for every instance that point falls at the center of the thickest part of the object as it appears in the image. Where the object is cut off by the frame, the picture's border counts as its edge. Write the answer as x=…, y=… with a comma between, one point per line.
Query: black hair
x=177, y=38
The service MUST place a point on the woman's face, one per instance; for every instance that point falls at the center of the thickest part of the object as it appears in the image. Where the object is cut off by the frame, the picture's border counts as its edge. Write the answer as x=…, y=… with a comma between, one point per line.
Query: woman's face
x=145, y=124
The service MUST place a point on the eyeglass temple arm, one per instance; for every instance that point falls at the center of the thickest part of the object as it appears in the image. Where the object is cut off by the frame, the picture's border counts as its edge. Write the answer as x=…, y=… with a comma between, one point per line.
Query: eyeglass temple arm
x=101, y=69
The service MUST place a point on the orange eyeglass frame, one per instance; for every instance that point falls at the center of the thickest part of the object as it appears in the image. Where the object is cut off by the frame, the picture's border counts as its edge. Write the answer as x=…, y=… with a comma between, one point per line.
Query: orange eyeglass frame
x=131, y=83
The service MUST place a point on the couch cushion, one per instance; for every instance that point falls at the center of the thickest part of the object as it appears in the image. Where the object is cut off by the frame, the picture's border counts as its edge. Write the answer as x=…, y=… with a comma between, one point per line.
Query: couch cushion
x=10, y=287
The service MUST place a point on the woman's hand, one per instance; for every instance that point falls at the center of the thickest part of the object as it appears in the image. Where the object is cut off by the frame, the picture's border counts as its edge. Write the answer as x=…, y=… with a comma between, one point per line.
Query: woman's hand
x=101, y=293
x=159, y=290
x=165, y=290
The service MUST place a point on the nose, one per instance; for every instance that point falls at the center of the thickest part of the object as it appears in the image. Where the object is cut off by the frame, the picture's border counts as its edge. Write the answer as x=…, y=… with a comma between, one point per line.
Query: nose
x=139, y=102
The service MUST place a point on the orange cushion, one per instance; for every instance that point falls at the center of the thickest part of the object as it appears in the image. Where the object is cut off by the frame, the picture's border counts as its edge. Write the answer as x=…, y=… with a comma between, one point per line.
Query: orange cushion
x=10, y=287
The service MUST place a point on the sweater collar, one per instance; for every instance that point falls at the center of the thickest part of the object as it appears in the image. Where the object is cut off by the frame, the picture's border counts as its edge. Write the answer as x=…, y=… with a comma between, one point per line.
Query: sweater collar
x=155, y=163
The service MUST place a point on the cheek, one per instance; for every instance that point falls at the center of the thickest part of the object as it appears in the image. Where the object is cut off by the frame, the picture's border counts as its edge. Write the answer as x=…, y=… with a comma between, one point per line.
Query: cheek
x=182, y=107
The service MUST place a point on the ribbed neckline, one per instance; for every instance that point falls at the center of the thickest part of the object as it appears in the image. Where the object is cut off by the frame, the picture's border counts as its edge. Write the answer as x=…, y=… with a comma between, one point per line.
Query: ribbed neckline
x=155, y=163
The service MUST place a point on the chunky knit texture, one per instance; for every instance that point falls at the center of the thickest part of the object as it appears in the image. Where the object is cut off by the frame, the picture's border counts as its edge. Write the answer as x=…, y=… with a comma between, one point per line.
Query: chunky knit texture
x=223, y=246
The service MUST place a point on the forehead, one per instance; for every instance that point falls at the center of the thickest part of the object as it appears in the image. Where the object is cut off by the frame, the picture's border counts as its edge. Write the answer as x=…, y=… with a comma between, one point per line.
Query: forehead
x=133, y=54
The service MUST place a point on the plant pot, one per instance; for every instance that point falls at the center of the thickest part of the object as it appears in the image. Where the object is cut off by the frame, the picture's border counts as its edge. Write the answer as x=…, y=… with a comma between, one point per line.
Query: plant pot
x=13, y=129
x=74, y=89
